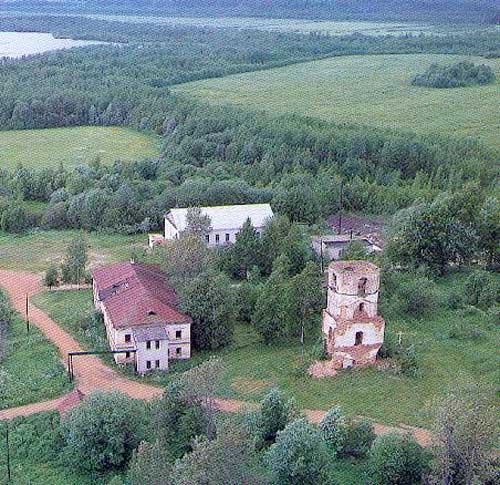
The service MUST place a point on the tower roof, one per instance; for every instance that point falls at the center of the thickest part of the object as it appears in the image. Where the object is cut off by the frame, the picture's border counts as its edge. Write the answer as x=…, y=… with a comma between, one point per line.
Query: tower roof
x=353, y=266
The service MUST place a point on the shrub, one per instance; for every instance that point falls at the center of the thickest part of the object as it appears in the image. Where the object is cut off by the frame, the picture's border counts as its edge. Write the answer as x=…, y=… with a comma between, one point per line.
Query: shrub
x=462, y=330
x=456, y=75
x=51, y=276
x=417, y=297
x=396, y=458
x=299, y=455
x=481, y=289
x=358, y=438
x=102, y=432
x=333, y=429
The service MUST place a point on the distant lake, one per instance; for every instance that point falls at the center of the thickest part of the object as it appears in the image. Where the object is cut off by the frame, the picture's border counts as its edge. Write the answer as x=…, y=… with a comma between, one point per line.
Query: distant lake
x=18, y=44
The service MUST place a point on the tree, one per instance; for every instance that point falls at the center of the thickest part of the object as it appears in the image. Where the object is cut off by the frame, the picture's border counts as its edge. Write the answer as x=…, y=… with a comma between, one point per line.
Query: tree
x=275, y=232
x=489, y=230
x=14, y=218
x=101, y=433
x=299, y=455
x=431, y=235
x=274, y=414
x=355, y=250
x=51, y=276
x=305, y=300
x=185, y=259
x=269, y=318
x=228, y=459
x=246, y=252
x=333, y=429
x=210, y=301
x=201, y=384
x=197, y=223
x=465, y=433
x=151, y=464
x=73, y=267
x=396, y=459
x=358, y=439
x=481, y=289
x=178, y=419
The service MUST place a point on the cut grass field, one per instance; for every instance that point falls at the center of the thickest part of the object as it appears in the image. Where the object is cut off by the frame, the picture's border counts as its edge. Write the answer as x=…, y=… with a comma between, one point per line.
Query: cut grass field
x=31, y=370
x=382, y=395
x=74, y=146
x=371, y=90
x=35, y=251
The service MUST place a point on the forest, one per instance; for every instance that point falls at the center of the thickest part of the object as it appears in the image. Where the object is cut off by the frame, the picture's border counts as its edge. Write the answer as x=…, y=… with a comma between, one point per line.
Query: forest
x=457, y=11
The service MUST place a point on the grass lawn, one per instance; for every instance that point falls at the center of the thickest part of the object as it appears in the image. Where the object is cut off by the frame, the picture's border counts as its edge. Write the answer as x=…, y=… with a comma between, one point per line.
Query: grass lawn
x=35, y=251
x=74, y=146
x=32, y=370
x=253, y=368
x=372, y=90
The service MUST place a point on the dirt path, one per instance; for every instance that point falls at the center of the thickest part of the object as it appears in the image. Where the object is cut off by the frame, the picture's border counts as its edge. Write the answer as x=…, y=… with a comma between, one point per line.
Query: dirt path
x=91, y=374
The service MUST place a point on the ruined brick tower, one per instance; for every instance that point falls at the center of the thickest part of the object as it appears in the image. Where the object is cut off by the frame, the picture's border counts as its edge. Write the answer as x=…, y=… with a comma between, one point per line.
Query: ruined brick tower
x=352, y=328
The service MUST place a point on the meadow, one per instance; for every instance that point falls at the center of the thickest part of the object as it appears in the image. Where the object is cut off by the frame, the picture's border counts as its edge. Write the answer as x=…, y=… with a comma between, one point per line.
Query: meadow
x=370, y=90
x=35, y=251
x=32, y=370
x=253, y=368
x=74, y=146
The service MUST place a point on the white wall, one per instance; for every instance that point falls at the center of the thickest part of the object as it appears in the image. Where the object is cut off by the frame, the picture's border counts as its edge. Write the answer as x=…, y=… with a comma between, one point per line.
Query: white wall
x=152, y=355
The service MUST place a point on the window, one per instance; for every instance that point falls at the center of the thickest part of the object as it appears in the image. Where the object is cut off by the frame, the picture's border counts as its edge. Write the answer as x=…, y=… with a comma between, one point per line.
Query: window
x=148, y=364
x=128, y=337
x=178, y=334
x=362, y=287
x=127, y=355
x=157, y=363
x=151, y=313
x=359, y=338
x=361, y=307
x=334, y=282
x=157, y=344
x=148, y=344
x=178, y=350
x=228, y=237
x=207, y=238
x=217, y=239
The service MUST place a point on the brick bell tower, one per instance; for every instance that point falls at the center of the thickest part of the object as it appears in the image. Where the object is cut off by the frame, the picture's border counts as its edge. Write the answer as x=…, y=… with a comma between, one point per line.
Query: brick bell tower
x=352, y=328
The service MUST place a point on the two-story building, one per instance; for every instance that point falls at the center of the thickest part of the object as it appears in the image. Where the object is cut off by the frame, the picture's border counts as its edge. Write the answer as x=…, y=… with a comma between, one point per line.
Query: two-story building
x=225, y=221
x=141, y=316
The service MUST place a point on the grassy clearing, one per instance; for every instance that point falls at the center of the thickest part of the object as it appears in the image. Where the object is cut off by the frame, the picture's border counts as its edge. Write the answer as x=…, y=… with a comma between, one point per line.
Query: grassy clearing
x=35, y=251
x=32, y=370
x=253, y=368
x=74, y=146
x=371, y=90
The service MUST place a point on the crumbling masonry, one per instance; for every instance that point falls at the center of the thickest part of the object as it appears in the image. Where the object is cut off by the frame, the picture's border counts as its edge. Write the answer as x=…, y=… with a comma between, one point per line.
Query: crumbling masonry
x=352, y=328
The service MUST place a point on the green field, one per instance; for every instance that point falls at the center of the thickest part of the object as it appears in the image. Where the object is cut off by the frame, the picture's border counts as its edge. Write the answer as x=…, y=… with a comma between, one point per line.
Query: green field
x=35, y=251
x=369, y=90
x=254, y=368
x=74, y=146
x=32, y=370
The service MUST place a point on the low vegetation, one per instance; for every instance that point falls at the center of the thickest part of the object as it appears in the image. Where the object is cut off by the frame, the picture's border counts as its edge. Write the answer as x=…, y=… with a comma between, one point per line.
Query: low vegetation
x=458, y=75
x=40, y=149
x=30, y=368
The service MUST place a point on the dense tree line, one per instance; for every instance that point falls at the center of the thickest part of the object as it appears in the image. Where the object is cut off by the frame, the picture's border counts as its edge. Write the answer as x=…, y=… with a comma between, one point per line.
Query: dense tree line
x=457, y=75
x=445, y=10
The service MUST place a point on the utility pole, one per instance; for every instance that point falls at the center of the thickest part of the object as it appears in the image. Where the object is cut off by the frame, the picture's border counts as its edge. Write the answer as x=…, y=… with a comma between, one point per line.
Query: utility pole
x=9, y=477
x=341, y=205
x=27, y=313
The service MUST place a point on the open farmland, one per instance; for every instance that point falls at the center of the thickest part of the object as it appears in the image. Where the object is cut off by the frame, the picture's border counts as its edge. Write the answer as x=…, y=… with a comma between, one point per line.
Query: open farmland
x=74, y=146
x=371, y=90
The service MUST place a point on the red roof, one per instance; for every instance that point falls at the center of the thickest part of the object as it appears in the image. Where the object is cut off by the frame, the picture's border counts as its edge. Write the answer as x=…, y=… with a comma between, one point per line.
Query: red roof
x=135, y=294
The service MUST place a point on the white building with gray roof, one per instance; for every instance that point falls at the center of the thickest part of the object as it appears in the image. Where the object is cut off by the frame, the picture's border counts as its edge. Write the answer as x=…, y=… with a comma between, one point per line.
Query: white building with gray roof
x=225, y=221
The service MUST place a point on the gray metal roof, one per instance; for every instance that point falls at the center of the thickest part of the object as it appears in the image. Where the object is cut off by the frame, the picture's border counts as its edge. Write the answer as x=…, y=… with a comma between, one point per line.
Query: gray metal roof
x=144, y=334
x=225, y=217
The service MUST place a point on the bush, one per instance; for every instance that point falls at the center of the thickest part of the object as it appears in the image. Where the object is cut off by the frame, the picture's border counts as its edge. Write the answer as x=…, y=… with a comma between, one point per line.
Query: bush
x=299, y=455
x=456, y=75
x=417, y=297
x=481, y=289
x=462, y=330
x=396, y=458
x=101, y=433
x=51, y=277
x=358, y=438
x=333, y=429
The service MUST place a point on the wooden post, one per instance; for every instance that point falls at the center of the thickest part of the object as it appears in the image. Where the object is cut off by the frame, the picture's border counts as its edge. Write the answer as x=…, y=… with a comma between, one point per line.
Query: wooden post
x=9, y=477
x=27, y=314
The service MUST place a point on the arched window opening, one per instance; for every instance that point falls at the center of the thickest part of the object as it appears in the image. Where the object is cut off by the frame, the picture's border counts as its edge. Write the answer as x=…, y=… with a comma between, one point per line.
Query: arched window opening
x=151, y=313
x=361, y=307
x=334, y=282
x=362, y=287
x=359, y=338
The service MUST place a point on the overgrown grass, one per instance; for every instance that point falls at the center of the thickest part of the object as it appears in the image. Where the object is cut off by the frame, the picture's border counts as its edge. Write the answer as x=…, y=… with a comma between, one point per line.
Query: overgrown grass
x=74, y=146
x=382, y=395
x=35, y=251
x=371, y=90
x=31, y=370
